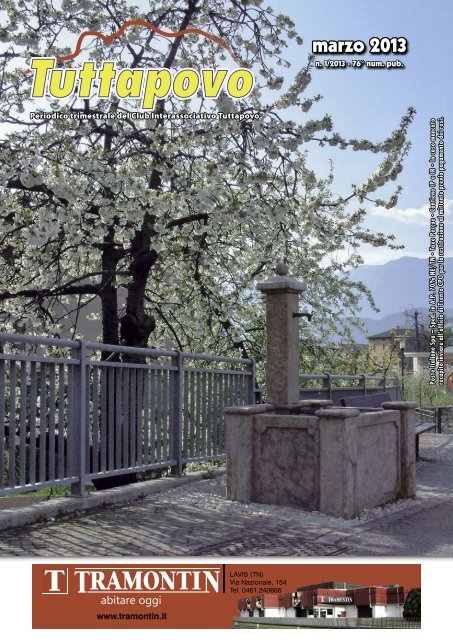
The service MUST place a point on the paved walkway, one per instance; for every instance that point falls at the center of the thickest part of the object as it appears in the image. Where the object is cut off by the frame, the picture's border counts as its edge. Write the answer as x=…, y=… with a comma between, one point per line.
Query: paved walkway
x=196, y=520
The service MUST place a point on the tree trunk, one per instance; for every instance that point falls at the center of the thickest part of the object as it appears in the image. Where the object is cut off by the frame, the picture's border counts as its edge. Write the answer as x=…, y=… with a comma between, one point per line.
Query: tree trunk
x=109, y=293
x=137, y=325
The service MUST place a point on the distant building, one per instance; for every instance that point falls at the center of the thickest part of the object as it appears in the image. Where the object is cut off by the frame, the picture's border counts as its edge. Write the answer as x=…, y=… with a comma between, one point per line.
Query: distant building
x=329, y=600
x=382, y=345
x=418, y=361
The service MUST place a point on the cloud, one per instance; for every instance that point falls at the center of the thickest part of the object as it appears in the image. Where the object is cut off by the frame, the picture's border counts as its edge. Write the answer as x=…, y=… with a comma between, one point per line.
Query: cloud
x=412, y=215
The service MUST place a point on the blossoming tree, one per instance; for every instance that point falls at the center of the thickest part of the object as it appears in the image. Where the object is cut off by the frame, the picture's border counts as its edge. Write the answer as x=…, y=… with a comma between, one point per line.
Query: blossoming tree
x=167, y=223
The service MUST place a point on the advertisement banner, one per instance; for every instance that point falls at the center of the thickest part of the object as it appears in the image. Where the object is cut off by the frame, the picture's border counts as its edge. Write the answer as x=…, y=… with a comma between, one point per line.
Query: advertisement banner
x=223, y=596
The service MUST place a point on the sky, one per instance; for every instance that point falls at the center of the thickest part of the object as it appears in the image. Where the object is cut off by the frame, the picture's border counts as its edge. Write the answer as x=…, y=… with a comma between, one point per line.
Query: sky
x=369, y=103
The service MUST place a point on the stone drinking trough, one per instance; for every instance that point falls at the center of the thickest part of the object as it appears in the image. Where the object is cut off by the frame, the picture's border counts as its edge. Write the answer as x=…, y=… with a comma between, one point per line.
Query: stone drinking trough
x=310, y=454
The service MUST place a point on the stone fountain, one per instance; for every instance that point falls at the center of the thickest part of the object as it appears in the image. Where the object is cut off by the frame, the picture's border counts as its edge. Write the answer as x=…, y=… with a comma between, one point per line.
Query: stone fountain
x=310, y=454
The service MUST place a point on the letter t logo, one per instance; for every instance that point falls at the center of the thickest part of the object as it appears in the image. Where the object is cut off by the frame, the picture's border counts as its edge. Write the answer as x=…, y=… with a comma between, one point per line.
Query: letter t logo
x=58, y=581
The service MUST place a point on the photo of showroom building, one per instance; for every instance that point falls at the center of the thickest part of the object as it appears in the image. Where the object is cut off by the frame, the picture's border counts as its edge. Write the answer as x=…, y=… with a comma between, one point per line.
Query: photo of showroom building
x=329, y=600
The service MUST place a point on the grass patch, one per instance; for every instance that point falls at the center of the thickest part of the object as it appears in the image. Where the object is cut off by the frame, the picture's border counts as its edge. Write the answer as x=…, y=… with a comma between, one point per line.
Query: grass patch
x=208, y=467
x=46, y=492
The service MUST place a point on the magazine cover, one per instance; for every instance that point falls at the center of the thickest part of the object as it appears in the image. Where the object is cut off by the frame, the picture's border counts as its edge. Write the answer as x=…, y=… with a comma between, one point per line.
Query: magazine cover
x=226, y=342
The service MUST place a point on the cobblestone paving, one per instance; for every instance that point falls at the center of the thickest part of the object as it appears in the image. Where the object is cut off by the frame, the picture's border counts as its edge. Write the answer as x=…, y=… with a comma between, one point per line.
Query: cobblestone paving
x=285, y=544
x=425, y=528
x=196, y=520
x=190, y=523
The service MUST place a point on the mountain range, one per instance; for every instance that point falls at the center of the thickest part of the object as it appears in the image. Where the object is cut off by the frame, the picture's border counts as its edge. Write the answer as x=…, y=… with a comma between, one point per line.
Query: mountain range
x=398, y=286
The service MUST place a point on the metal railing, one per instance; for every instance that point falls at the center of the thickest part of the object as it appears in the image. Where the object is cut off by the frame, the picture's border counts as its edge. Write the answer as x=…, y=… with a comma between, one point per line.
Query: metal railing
x=426, y=415
x=336, y=386
x=327, y=623
x=67, y=416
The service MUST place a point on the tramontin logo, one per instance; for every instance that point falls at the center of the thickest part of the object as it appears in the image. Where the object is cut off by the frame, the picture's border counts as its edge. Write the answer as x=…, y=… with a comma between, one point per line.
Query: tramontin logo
x=141, y=580
x=147, y=85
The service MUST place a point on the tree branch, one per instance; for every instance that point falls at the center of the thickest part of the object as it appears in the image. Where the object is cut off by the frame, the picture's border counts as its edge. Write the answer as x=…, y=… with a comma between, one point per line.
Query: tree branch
x=46, y=293
x=186, y=219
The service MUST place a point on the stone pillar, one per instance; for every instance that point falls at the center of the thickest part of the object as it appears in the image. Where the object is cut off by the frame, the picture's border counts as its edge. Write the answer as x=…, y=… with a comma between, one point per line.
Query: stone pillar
x=240, y=429
x=338, y=448
x=407, y=445
x=282, y=334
